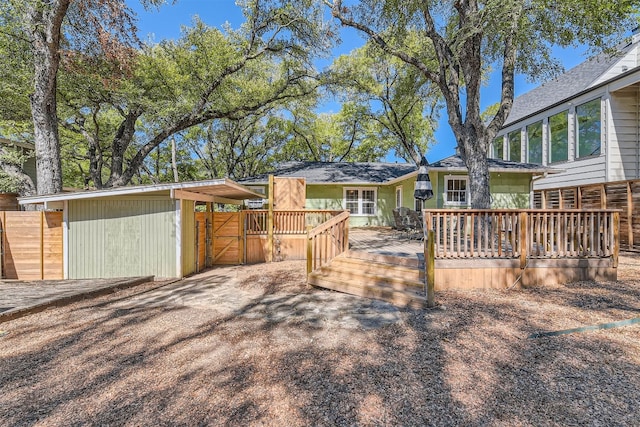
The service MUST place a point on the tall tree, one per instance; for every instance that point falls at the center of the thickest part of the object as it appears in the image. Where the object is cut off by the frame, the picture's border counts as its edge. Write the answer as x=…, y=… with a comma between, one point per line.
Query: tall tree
x=453, y=42
x=106, y=25
x=206, y=75
x=394, y=96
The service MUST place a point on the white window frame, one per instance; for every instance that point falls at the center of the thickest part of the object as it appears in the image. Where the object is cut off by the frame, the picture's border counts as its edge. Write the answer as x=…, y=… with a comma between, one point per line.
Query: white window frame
x=446, y=186
x=360, y=190
x=399, y=196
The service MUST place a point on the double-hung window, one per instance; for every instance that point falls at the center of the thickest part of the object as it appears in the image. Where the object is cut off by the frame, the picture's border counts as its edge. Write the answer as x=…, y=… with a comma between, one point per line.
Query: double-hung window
x=559, y=137
x=360, y=201
x=534, y=143
x=456, y=190
x=588, y=123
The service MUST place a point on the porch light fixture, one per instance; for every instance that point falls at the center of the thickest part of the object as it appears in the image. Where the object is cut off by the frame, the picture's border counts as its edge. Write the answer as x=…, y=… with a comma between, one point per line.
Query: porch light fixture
x=423, y=190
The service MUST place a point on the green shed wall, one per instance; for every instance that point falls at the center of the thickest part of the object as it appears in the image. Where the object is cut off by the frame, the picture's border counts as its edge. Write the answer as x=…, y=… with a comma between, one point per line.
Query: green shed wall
x=122, y=237
x=188, y=238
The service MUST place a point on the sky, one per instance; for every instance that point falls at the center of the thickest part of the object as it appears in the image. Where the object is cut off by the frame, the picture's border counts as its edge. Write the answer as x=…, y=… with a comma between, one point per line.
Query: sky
x=165, y=23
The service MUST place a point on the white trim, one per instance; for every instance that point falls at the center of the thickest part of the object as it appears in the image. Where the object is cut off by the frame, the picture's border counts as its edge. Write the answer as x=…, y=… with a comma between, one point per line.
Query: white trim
x=360, y=190
x=178, y=237
x=65, y=240
x=446, y=185
x=118, y=191
x=398, y=191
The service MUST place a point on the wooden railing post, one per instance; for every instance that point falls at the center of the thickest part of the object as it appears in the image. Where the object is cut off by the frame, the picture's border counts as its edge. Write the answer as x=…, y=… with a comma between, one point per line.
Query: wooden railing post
x=430, y=267
x=309, y=251
x=524, y=242
x=269, y=254
x=616, y=238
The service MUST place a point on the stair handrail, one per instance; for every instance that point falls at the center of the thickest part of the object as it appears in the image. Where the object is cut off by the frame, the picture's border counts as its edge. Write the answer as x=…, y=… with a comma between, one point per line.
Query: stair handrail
x=336, y=232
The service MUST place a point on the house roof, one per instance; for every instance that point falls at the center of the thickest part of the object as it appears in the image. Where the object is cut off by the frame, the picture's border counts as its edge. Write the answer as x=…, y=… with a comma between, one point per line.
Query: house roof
x=23, y=144
x=207, y=191
x=339, y=172
x=575, y=81
x=455, y=164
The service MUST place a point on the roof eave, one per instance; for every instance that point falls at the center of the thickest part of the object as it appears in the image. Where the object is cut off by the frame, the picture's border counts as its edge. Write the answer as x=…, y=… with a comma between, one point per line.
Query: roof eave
x=125, y=191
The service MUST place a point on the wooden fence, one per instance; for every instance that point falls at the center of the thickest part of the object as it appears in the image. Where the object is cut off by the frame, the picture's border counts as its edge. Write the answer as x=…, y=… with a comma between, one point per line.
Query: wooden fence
x=498, y=248
x=326, y=241
x=32, y=245
x=622, y=195
x=280, y=234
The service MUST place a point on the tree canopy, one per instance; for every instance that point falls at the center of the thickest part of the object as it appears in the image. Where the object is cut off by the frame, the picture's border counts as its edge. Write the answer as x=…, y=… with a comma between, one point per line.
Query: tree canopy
x=453, y=43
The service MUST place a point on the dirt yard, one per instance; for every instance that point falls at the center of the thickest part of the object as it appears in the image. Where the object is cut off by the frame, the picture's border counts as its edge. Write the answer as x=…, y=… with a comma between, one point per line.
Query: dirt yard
x=254, y=346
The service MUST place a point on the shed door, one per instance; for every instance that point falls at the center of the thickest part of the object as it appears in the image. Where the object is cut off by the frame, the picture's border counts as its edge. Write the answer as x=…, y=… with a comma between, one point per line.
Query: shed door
x=289, y=193
x=227, y=238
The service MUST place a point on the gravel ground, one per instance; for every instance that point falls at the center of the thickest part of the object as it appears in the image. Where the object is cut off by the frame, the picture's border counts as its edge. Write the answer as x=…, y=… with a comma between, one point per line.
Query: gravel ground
x=283, y=354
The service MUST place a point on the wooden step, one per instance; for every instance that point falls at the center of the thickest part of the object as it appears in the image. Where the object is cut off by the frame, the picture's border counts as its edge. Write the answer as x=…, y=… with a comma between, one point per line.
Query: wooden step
x=380, y=292
x=385, y=259
x=395, y=279
x=358, y=266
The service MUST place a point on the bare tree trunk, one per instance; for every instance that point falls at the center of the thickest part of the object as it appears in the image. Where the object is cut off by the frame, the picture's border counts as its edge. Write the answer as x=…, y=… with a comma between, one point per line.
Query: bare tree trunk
x=44, y=21
x=174, y=164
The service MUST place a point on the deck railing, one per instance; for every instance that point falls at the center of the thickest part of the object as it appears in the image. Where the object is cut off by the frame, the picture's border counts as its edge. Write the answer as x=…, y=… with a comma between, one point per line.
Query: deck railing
x=326, y=241
x=286, y=222
x=530, y=233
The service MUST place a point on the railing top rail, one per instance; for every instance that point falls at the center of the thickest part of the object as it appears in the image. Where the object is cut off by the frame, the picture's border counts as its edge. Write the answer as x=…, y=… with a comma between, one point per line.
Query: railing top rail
x=459, y=211
x=326, y=225
x=296, y=210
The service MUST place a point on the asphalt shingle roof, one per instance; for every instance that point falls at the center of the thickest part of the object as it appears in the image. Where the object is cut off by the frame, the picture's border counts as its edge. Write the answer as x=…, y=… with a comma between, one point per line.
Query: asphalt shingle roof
x=455, y=162
x=337, y=172
x=563, y=87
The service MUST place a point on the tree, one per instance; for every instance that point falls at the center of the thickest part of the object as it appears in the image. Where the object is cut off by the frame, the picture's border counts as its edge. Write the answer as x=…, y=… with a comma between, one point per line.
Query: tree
x=452, y=43
x=205, y=75
x=390, y=95
x=48, y=26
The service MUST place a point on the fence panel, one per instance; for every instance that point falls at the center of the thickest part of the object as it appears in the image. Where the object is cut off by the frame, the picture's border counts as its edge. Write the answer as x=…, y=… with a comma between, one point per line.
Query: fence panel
x=32, y=247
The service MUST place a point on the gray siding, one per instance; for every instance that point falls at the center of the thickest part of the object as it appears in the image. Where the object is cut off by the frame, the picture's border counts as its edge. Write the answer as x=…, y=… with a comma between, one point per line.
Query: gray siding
x=627, y=62
x=122, y=237
x=578, y=172
x=624, y=148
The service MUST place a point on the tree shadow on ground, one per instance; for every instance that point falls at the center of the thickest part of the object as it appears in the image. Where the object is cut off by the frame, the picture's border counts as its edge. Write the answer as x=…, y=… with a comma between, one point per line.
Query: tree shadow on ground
x=287, y=354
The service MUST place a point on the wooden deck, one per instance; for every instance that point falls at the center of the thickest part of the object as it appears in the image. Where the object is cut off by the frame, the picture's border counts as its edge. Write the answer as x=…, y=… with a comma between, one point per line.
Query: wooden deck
x=385, y=241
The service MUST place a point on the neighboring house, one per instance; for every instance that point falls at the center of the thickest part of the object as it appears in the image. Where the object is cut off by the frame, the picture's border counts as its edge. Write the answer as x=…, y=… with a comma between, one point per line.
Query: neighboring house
x=585, y=122
x=370, y=191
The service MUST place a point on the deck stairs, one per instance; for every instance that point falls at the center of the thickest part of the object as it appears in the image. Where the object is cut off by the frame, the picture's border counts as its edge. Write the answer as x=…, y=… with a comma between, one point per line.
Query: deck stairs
x=398, y=280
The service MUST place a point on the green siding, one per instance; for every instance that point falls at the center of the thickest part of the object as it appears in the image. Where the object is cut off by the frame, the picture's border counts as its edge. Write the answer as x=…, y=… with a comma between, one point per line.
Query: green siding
x=188, y=238
x=122, y=237
x=508, y=190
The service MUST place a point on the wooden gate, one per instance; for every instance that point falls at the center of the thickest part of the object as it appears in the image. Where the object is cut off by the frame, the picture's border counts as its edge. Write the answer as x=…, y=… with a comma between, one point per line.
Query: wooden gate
x=227, y=238
x=289, y=193
x=32, y=246
x=219, y=237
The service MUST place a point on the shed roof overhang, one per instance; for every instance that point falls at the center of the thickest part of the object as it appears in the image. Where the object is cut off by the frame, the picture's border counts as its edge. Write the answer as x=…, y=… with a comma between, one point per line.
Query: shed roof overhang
x=216, y=190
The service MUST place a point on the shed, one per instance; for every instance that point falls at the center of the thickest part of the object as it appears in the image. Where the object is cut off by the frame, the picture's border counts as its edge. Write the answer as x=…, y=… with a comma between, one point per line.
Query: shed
x=137, y=230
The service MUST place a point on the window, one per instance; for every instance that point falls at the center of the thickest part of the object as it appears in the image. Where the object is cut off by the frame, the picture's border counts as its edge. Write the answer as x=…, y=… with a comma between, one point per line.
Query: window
x=418, y=205
x=515, y=147
x=456, y=190
x=558, y=137
x=534, y=143
x=497, y=148
x=398, y=196
x=588, y=123
x=360, y=201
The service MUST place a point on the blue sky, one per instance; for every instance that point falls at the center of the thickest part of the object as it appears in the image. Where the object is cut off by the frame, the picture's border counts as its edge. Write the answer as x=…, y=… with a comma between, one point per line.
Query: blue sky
x=167, y=21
